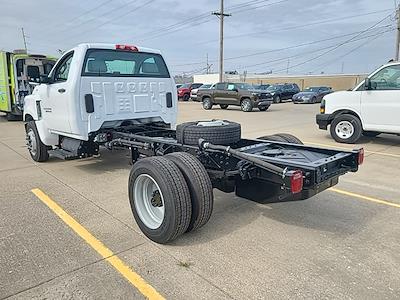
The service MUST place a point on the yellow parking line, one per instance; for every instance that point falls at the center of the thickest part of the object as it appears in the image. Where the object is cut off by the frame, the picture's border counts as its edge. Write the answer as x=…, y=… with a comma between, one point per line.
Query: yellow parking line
x=135, y=279
x=362, y=197
x=349, y=149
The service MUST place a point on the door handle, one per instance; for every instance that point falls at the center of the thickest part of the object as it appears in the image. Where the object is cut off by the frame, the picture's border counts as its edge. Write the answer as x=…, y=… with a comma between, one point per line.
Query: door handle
x=61, y=90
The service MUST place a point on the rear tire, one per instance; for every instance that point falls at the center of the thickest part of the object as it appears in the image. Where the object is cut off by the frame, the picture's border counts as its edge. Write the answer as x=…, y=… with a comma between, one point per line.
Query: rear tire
x=263, y=108
x=290, y=138
x=36, y=148
x=159, y=199
x=200, y=187
x=346, y=128
x=272, y=138
x=246, y=105
x=223, y=106
x=12, y=117
x=314, y=100
x=186, y=97
x=207, y=104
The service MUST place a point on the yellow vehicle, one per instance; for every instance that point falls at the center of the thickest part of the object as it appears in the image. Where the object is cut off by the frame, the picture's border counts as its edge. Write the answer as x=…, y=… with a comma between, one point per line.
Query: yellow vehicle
x=18, y=70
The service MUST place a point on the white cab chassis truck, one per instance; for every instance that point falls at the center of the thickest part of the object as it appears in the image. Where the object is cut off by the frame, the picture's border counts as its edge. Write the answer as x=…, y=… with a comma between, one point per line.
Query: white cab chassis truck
x=105, y=95
x=371, y=108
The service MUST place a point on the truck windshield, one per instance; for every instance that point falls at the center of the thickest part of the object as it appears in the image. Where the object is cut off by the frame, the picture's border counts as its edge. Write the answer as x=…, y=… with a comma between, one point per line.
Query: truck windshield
x=113, y=63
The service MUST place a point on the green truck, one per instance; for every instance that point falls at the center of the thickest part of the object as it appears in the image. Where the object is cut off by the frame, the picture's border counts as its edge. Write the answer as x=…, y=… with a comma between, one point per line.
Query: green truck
x=18, y=70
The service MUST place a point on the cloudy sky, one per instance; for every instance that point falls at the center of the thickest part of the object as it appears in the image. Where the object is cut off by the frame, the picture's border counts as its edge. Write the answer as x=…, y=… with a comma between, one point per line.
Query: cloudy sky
x=282, y=36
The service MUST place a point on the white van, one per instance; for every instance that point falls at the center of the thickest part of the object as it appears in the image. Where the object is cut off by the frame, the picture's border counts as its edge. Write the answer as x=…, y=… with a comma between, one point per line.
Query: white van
x=371, y=108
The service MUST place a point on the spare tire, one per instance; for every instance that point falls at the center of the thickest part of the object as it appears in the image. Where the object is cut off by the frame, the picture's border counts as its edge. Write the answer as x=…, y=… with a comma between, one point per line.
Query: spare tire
x=220, y=132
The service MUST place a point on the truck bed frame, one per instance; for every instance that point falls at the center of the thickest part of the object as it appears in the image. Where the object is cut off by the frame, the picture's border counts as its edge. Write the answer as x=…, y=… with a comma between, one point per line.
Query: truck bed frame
x=257, y=170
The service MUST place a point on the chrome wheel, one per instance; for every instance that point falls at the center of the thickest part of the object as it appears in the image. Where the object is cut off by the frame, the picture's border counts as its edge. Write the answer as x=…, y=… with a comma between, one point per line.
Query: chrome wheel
x=207, y=103
x=344, y=130
x=246, y=105
x=149, y=201
x=31, y=141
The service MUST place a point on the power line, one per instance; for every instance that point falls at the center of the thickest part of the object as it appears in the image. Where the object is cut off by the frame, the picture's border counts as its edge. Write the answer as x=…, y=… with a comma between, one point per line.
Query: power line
x=136, y=8
x=188, y=23
x=107, y=13
x=339, y=45
x=277, y=29
x=197, y=18
x=373, y=38
x=280, y=49
x=309, y=52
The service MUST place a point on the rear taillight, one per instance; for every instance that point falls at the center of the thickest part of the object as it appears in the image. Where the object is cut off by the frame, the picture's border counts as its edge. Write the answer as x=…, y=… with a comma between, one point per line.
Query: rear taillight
x=322, y=107
x=296, y=182
x=126, y=48
x=360, y=156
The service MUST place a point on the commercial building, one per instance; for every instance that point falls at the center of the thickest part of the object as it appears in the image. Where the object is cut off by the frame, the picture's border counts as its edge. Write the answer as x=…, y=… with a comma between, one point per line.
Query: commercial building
x=336, y=81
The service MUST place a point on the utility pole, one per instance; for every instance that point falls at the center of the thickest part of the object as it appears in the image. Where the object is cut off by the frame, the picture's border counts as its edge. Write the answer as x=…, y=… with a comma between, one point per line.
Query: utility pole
x=24, y=38
x=398, y=33
x=288, y=64
x=208, y=67
x=221, y=16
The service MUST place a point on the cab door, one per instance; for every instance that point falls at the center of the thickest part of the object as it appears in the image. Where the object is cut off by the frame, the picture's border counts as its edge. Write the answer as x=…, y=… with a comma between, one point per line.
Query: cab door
x=219, y=93
x=232, y=94
x=58, y=95
x=380, y=103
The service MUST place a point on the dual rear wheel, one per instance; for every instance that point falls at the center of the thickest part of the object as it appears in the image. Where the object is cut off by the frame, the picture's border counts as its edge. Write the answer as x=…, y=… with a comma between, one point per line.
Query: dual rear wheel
x=170, y=195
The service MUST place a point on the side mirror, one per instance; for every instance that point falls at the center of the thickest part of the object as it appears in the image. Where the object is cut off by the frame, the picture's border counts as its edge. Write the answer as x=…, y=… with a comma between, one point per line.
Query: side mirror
x=45, y=79
x=367, y=84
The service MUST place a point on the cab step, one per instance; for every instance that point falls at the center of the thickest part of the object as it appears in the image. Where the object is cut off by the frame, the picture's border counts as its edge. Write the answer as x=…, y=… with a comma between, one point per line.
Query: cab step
x=63, y=154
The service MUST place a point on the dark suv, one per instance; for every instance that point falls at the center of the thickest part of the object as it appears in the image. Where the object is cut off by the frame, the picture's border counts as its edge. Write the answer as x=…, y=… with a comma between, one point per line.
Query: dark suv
x=284, y=91
x=239, y=94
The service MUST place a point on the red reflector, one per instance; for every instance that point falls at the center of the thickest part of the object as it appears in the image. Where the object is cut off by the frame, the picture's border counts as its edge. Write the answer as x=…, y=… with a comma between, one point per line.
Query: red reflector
x=296, y=182
x=126, y=48
x=360, y=156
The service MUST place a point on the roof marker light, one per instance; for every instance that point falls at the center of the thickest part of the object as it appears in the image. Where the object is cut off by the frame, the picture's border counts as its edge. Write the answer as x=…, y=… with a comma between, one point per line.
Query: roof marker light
x=126, y=48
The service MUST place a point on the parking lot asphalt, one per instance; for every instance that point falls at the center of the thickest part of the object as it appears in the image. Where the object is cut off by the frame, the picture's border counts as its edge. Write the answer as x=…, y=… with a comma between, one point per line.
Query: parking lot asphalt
x=340, y=244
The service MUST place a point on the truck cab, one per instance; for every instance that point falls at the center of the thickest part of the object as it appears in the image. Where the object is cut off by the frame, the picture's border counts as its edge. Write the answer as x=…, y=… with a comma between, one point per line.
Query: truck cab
x=371, y=108
x=97, y=86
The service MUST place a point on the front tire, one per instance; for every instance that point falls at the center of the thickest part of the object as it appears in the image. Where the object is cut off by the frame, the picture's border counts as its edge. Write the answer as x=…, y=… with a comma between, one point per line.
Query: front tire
x=36, y=148
x=246, y=105
x=186, y=97
x=159, y=199
x=207, y=104
x=277, y=99
x=264, y=108
x=346, y=128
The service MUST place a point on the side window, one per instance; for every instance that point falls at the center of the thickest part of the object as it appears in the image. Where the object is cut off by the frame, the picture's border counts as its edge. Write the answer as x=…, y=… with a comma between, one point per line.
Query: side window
x=220, y=86
x=387, y=79
x=62, y=70
x=230, y=87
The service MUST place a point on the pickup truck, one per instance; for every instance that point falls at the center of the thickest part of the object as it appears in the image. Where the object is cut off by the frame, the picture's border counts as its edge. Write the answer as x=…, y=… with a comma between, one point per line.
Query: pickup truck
x=371, y=108
x=106, y=95
x=238, y=94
